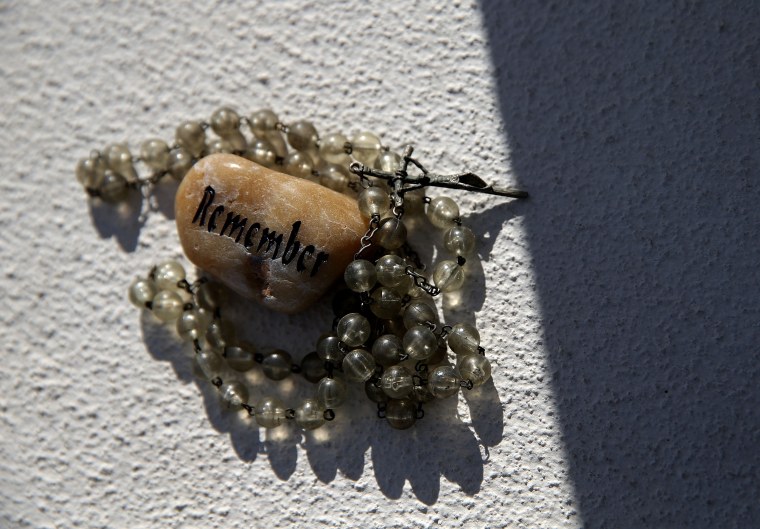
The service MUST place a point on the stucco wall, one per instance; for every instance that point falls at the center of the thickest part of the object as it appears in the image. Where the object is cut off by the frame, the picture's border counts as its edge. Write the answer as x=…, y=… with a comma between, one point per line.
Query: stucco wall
x=618, y=305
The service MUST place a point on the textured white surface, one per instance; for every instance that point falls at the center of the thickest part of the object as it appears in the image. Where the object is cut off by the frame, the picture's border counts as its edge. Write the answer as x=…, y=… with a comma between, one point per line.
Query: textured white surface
x=625, y=290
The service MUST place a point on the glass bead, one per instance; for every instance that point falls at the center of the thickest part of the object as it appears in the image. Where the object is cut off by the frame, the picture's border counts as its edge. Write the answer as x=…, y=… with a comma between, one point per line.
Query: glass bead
x=442, y=211
x=114, y=188
x=406, y=286
x=421, y=394
x=354, y=329
x=331, y=392
x=240, y=358
x=217, y=146
x=401, y=414
x=313, y=367
x=335, y=177
x=443, y=382
x=397, y=382
x=299, y=164
x=310, y=415
x=448, y=276
x=191, y=137
x=209, y=363
x=302, y=136
x=167, y=306
x=387, y=350
x=358, y=365
x=419, y=313
x=234, y=393
x=209, y=295
x=386, y=303
x=237, y=142
x=219, y=333
x=374, y=392
x=155, y=154
x=189, y=325
x=391, y=234
x=459, y=240
x=141, y=291
x=414, y=204
x=277, y=364
x=333, y=149
x=464, y=339
x=360, y=275
x=388, y=161
x=277, y=142
x=270, y=412
x=328, y=348
x=365, y=148
x=262, y=152
x=374, y=201
x=476, y=368
x=90, y=172
x=391, y=270
x=419, y=342
x=180, y=162
x=119, y=160
x=225, y=122
x=168, y=274
x=262, y=123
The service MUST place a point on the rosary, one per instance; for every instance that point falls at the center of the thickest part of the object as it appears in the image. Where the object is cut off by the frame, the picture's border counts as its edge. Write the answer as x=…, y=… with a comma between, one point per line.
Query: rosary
x=285, y=216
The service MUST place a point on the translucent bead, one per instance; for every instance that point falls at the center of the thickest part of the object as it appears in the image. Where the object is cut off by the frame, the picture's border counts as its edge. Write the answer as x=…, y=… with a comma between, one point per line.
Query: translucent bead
x=448, y=276
x=119, y=160
x=442, y=211
x=270, y=412
x=114, y=188
x=299, y=164
x=414, y=204
x=354, y=329
x=421, y=394
x=328, y=348
x=155, y=154
x=189, y=325
x=262, y=152
x=237, y=142
x=419, y=342
x=333, y=149
x=167, y=306
x=388, y=161
x=218, y=145
x=278, y=143
x=180, y=162
x=387, y=350
x=310, y=415
x=141, y=291
x=358, y=365
x=168, y=274
x=391, y=234
x=225, y=122
x=240, y=358
x=262, y=123
x=365, y=148
x=302, y=136
x=476, y=368
x=386, y=303
x=313, y=367
x=464, y=339
x=374, y=392
x=401, y=414
x=90, y=172
x=419, y=313
x=459, y=240
x=331, y=392
x=219, y=333
x=191, y=137
x=374, y=201
x=397, y=382
x=360, y=275
x=234, y=393
x=210, y=295
x=391, y=270
x=443, y=382
x=277, y=364
x=335, y=177
x=209, y=363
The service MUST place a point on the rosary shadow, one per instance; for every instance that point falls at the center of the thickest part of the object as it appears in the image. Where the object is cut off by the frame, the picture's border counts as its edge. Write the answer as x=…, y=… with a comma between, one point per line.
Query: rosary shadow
x=635, y=126
x=122, y=222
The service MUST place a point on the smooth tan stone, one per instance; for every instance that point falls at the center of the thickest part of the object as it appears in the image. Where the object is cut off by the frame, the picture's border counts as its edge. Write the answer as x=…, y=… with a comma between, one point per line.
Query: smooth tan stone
x=269, y=236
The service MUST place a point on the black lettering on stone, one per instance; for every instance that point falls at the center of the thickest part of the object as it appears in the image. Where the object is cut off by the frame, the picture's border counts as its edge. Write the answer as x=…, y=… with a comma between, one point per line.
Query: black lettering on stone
x=253, y=230
x=309, y=250
x=212, y=219
x=293, y=244
x=208, y=198
x=321, y=258
x=270, y=238
x=234, y=223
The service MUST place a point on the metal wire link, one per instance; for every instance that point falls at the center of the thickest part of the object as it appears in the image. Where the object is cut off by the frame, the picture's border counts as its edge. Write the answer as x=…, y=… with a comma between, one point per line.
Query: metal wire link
x=374, y=224
x=422, y=282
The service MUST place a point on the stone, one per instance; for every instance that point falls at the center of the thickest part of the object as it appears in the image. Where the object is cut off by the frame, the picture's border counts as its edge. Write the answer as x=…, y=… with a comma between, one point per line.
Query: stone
x=280, y=240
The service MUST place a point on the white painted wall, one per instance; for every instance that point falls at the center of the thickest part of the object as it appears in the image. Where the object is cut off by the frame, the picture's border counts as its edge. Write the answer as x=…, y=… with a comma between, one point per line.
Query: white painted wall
x=103, y=423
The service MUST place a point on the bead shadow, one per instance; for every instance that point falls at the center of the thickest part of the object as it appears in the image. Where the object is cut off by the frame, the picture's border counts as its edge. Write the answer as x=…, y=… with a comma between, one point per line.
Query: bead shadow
x=121, y=221
x=634, y=125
